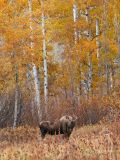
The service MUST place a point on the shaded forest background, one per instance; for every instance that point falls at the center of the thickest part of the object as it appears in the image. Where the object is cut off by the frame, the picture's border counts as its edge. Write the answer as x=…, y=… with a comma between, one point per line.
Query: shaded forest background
x=59, y=57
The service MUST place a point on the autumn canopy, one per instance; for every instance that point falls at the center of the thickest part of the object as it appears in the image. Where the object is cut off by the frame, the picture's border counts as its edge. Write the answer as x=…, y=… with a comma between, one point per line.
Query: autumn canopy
x=56, y=55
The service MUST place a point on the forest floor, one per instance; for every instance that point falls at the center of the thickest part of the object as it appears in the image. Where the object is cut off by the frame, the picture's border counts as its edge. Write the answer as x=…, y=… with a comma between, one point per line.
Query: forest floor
x=98, y=142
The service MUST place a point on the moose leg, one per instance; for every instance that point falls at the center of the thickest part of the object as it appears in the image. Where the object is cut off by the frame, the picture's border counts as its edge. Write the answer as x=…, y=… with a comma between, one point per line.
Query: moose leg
x=43, y=133
x=43, y=136
x=65, y=130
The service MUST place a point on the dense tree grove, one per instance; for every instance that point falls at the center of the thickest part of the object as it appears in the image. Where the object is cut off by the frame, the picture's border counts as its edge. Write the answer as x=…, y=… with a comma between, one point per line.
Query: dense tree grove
x=56, y=55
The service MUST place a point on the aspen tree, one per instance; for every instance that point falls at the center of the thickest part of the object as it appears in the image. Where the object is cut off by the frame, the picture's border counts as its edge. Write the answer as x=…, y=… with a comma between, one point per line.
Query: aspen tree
x=35, y=72
x=44, y=56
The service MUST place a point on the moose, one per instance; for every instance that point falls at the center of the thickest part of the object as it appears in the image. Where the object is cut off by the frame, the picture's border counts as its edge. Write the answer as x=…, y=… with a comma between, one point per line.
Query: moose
x=63, y=126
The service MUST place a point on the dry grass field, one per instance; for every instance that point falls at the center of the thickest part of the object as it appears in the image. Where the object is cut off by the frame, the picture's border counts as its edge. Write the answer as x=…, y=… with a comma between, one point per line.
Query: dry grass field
x=98, y=142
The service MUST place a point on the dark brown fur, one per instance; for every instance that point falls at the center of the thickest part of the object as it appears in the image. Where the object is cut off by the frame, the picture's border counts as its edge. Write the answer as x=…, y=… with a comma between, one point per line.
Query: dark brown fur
x=63, y=126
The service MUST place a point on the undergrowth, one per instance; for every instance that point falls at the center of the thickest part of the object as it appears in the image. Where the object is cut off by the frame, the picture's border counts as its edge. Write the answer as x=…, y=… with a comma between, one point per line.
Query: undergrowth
x=98, y=142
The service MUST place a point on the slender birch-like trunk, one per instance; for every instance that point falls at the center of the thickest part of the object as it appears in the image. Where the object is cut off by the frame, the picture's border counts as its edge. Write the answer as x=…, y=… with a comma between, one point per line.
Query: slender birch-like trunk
x=117, y=29
x=116, y=22
x=44, y=56
x=107, y=67
x=16, y=107
x=35, y=72
x=111, y=79
x=75, y=18
x=98, y=51
x=97, y=39
x=30, y=86
x=37, y=87
x=90, y=73
x=16, y=98
x=76, y=39
x=90, y=67
x=30, y=24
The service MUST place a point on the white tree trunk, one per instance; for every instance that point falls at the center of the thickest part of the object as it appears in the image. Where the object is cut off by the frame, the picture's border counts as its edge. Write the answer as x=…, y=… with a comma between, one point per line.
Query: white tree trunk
x=15, y=109
x=75, y=18
x=98, y=51
x=111, y=79
x=116, y=22
x=30, y=85
x=16, y=99
x=35, y=73
x=37, y=89
x=97, y=38
x=44, y=56
x=16, y=88
x=107, y=66
x=90, y=73
x=30, y=23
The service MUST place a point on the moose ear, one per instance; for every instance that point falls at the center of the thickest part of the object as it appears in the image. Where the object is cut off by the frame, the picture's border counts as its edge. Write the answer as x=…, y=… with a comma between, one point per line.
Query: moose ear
x=75, y=118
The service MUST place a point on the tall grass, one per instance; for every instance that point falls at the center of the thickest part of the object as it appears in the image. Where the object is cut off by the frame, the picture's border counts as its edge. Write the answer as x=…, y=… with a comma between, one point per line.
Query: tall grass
x=98, y=142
